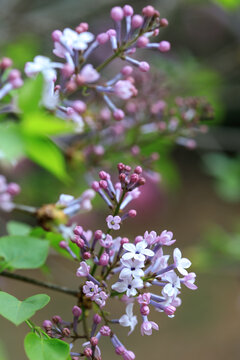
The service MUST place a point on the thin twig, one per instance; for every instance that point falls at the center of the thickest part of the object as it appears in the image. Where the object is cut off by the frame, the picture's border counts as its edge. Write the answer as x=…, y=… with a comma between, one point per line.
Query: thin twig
x=62, y=289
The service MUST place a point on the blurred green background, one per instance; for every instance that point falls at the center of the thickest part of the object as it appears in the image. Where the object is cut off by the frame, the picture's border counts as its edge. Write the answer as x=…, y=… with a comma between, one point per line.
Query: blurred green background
x=202, y=204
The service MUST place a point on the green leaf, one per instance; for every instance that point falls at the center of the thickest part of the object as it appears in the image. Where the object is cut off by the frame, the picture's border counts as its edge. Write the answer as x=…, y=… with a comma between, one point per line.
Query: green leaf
x=228, y=4
x=18, y=311
x=41, y=123
x=21, y=252
x=11, y=142
x=46, y=154
x=39, y=348
x=18, y=228
x=30, y=94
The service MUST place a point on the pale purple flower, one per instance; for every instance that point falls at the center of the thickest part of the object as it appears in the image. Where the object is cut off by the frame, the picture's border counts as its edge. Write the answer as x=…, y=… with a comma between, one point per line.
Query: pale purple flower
x=129, y=319
x=113, y=222
x=100, y=298
x=106, y=241
x=124, y=89
x=129, y=285
x=44, y=65
x=151, y=237
x=128, y=355
x=159, y=261
x=137, y=251
x=171, y=289
x=144, y=299
x=90, y=289
x=132, y=267
x=148, y=326
x=189, y=281
x=65, y=199
x=83, y=270
x=165, y=238
x=181, y=263
x=89, y=74
x=70, y=39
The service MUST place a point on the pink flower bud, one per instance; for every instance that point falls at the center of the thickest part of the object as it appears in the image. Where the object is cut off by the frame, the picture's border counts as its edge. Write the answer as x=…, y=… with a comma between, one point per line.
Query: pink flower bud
x=118, y=114
x=134, y=178
x=144, y=310
x=124, y=240
x=163, y=22
x=13, y=189
x=138, y=170
x=103, y=175
x=87, y=255
x=79, y=242
x=142, y=42
x=5, y=63
x=120, y=350
x=102, y=38
x=170, y=310
x=47, y=324
x=127, y=70
x=57, y=319
x=138, y=239
x=111, y=32
x=95, y=186
x=164, y=46
x=97, y=319
x=117, y=13
x=144, y=66
x=98, y=234
x=79, y=106
x=132, y=213
x=105, y=330
x=94, y=341
x=148, y=11
x=104, y=259
x=78, y=230
x=76, y=311
x=128, y=10
x=103, y=184
x=63, y=244
x=56, y=35
x=137, y=21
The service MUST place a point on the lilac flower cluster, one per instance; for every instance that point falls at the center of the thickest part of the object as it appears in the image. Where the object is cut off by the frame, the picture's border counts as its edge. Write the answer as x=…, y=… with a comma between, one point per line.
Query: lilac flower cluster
x=139, y=265
x=10, y=79
x=7, y=192
x=75, y=75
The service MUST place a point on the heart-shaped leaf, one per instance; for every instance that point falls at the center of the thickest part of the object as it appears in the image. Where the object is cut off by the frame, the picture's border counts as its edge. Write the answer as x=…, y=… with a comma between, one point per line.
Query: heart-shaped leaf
x=18, y=311
x=23, y=252
x=18, y=228
x=39, y=348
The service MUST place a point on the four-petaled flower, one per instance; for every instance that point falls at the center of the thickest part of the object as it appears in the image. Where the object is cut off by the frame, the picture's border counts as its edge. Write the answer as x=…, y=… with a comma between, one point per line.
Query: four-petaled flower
x=189, y=280
x=113, y=222
x=171, y=288
x=100, y=298
x=181, y=263
x=132, y=267
x=129, y=285
x=90, y=289
x=137, y=251
x=44, y=65
x=129, y=319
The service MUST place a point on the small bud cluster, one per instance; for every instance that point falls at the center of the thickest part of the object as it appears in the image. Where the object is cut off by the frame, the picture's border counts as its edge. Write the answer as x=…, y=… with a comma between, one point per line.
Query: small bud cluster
x=63, y=80
x=7, y=192
x=10, y=79
x=139, y=265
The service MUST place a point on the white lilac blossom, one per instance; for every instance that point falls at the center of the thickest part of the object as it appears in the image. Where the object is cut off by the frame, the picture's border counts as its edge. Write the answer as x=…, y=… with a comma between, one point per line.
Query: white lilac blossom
x=129, y=319
x=72, y=205
x=181, y=263
x=137, y=252
x=132, y=268
x=173, y=283
x=128, y=285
